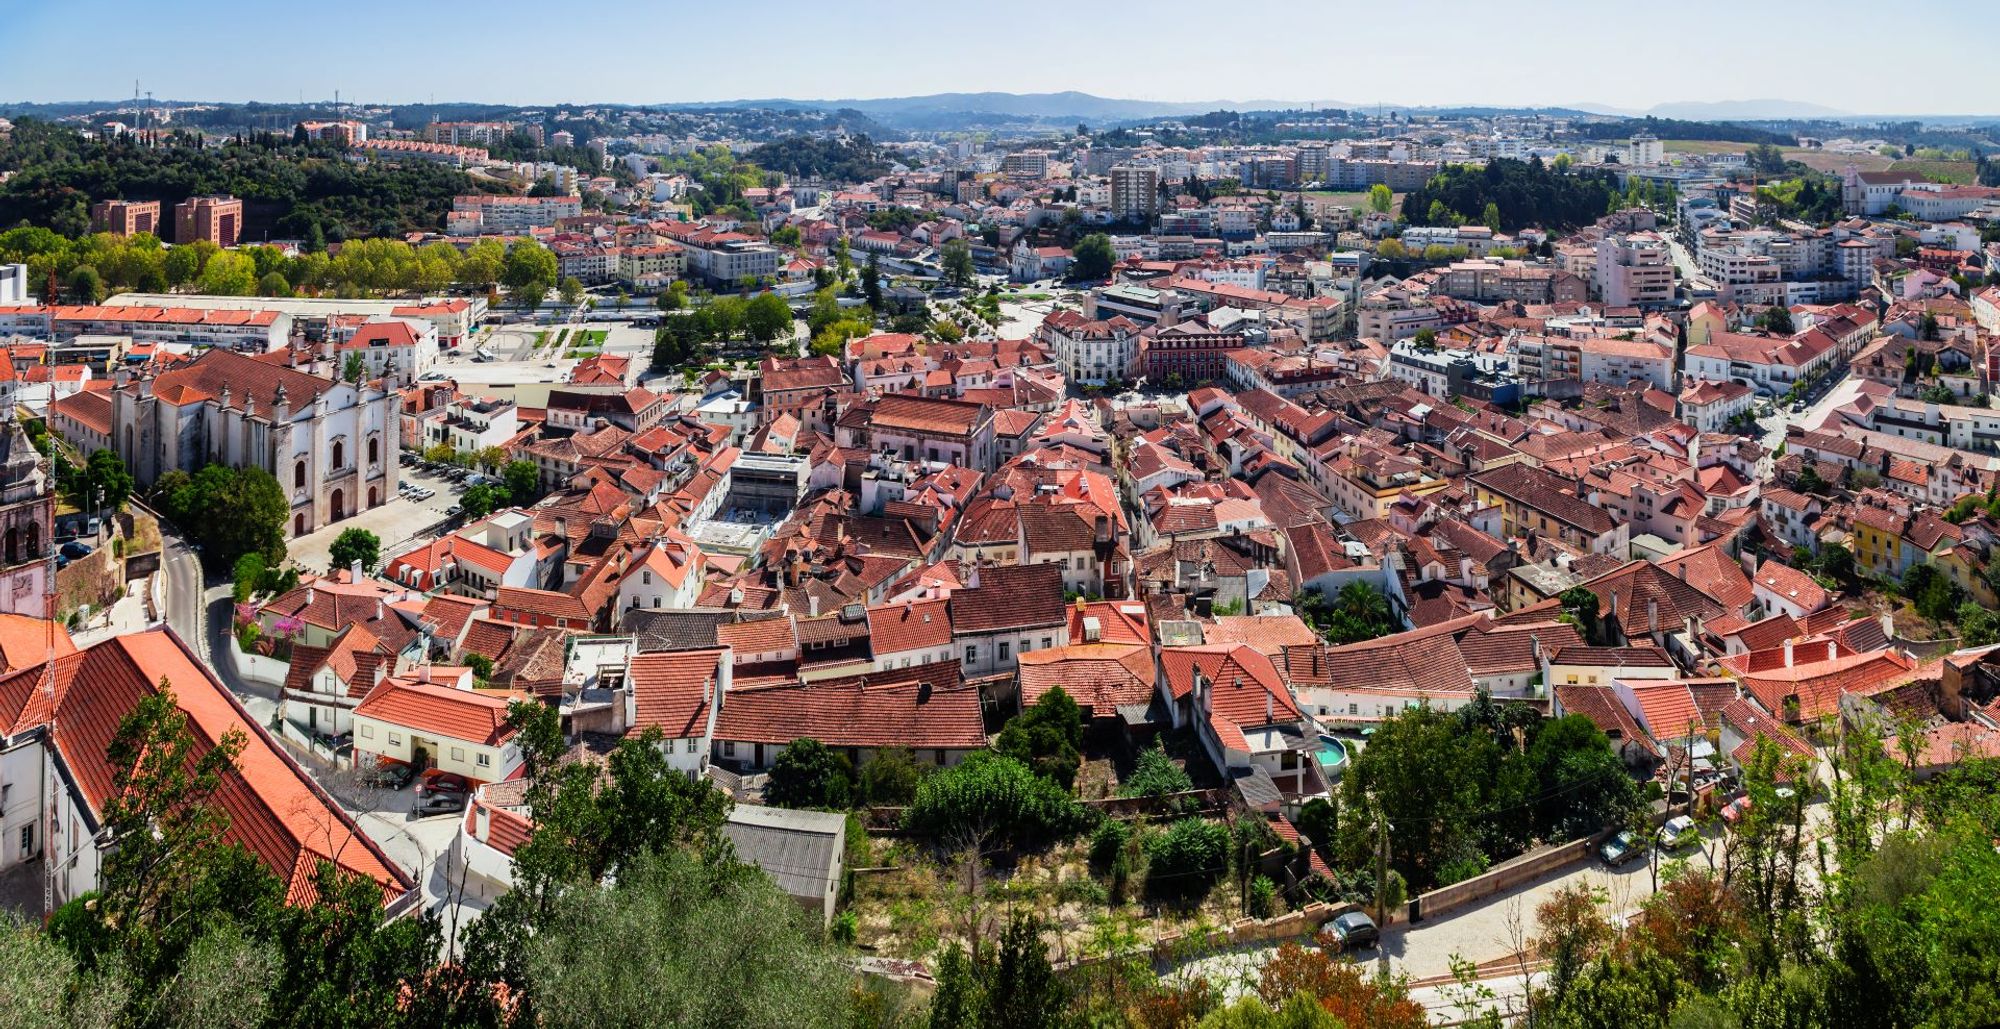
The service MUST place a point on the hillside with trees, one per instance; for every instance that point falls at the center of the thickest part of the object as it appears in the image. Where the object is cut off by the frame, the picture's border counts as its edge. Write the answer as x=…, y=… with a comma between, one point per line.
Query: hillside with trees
x=1523, y=193
x=1675, y=128
x=313, y=193
x=855, y=159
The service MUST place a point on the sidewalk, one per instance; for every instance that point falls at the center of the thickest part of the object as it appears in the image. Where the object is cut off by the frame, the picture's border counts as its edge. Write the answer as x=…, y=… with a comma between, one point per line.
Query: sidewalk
x=126, y=616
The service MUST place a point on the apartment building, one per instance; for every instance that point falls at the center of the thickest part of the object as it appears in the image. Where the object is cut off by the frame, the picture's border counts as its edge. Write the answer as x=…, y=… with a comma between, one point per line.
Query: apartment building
x=482, y=214
x=1633, y=270
x=1135, y=193
x=125, y=217
x=1092, y=351
x=217, y=219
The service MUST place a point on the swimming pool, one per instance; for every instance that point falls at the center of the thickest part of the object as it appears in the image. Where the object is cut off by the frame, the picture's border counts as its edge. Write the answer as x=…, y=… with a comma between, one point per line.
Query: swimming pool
x=1331, y=754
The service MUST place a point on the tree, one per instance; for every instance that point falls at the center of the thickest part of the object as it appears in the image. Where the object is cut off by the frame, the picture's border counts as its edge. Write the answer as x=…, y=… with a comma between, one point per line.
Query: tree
x=1092, y=258
x=86, y=286
x=956, y=262
x=354, y=545
x=523, y=480
x=104, y=483
x=990, y=792
x=1359, y=612
x=766, y=316
x=1047, y=737
x=230, y=512
x=530, y=271
x=809, y=775
x=1581, y=607
x=1776, y=319
x=871, y=282
x=683, y=941
x=891, y=778
x=674, y=297
x=1380, y=199
x=787, y=236
x=355, y=368
x=274, y=284
x=1021, y=989
x=482, y=500
x=570, y=290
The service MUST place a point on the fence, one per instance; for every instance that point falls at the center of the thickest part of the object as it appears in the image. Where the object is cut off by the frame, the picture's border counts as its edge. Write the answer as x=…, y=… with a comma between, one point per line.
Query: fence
x=266, y=671
x=1500, y=878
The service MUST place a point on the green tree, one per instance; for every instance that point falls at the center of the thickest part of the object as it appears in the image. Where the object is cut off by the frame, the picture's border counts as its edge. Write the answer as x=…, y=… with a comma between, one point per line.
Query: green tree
x=891, y=778
x=871, y=282
x=1021, y=990
x=274, y=284
x=482, y=500
x=354, y=545
x=523, y=480
x=992, y=793
x=1380, y=199
x=530, y=271
x=86, y=286
x=230, y=512
x=570, y=290
x=1047, y=737
x=1092, y=258
x=104, y=482
x=683, y=940
x=766, y=317
x=355, y=368
x=955, y=262
x=809, y=775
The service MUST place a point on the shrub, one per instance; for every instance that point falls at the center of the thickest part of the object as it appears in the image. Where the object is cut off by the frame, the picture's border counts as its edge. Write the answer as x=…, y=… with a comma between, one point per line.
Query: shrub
x=1107, y=842
x=1088, y=892
x=1186, y=859
x=993, y=792
x=845, y=926
x=891, y=778
x=1156, y=775
x=1047, y=737
x=1263, y=897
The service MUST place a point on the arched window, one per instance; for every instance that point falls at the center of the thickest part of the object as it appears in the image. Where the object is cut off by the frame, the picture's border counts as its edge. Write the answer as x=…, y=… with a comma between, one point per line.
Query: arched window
x=374, y=450
x=13, y=545
x=339, y=454
x=34, y=539
x=299, y=474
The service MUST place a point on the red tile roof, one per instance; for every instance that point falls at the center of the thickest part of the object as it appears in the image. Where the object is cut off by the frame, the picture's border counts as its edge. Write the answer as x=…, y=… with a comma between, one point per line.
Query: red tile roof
x=436, y=710
x=1099, y=676
x=672, y=690
x=923, y=707
x=908, y=626
x=275, y=809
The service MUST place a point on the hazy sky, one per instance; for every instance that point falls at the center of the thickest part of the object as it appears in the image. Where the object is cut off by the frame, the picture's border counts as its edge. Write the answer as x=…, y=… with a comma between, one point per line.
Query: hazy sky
x=1531, y=52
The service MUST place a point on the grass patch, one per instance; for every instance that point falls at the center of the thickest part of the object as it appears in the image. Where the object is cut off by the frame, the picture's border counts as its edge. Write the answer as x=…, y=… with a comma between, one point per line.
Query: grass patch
x=1956, y=172
x=1834, y=163
x=1702, y=146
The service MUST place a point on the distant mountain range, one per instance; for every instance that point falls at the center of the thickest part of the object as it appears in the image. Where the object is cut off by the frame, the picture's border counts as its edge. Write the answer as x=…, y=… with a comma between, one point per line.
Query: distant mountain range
x=1724, y=110
x=917, y=111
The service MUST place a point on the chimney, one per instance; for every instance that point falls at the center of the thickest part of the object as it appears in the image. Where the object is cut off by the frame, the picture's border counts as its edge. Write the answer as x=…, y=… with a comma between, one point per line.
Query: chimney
x=1682, y=571
x=1889, y=626
x=1832, y=650
x=1788, y=653
x=1270, y=708
x=812, y=605
x=972, y=581
x=1652, y=617
x=354, y=571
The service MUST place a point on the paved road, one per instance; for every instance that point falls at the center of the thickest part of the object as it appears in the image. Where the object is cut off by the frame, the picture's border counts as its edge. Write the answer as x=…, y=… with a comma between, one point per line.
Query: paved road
x=201, y=614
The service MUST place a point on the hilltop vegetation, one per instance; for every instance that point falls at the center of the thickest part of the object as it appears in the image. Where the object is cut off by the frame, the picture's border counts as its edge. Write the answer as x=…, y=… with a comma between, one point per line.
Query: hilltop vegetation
x=805, y=157
x=1522, y=193
x=1675, y=128
x=289, y=191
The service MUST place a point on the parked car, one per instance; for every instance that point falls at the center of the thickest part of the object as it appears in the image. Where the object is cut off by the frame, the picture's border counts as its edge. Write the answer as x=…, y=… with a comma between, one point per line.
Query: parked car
x=390, y=777
x=1622, y=849
x=453, y=510
x=1354, y=930
x=1679, y=833
x=439, y=804
x=434, y=781
x=76, y=550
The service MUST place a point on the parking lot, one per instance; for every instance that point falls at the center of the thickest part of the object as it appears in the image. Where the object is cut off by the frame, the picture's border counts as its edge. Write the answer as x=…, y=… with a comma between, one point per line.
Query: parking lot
x=404, y=520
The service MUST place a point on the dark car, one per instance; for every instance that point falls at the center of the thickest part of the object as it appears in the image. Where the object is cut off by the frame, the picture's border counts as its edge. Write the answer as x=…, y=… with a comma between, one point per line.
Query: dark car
x=76, y=551
x=435, y=782
x=390, y=777
x=1354, y=930
x=439, y=804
